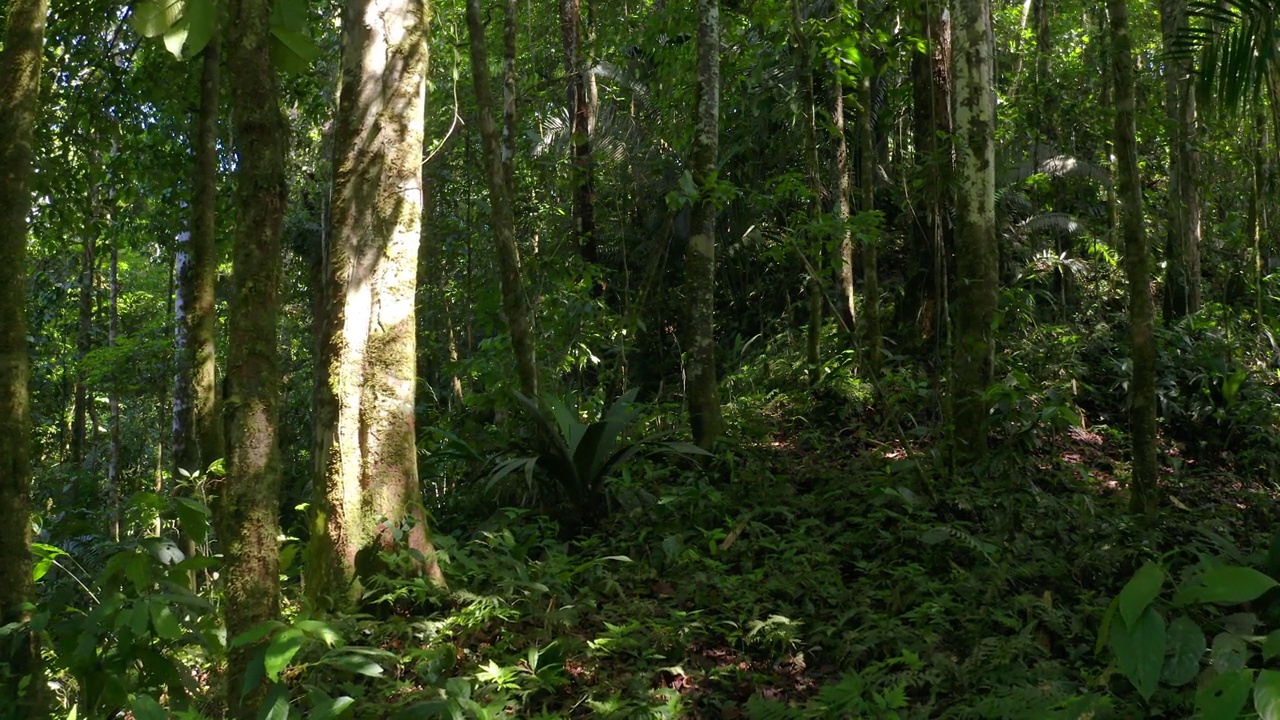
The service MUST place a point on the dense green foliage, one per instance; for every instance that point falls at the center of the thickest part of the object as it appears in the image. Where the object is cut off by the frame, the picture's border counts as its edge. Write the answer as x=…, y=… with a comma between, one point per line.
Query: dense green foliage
x=830, y=557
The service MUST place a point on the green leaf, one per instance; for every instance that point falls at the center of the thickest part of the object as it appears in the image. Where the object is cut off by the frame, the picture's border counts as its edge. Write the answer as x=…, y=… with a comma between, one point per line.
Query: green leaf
x=1271, y=646
x=1138, y=593
x=193, y=517
x=202, y=23
x=1230, y=585
x=354, y=664
x=1266, y=695
x=1140, y=650
x=164, y=621
x=1186, y=647
x=322, y=630
x=1223, y=697
x=281, y=650
x=145, y=707
x=293, y=51
x=324, y=707
x=1230, y=653
x=154, y=17
x=254, y=634
x=276, y=705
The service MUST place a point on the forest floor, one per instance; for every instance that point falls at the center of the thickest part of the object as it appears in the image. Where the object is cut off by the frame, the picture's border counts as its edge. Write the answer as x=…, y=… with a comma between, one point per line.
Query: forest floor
x=817, y=571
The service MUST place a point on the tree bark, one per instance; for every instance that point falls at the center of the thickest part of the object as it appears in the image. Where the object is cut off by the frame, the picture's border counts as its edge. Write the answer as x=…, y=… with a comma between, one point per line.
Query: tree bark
x=19, y=103
x=369, y=483
x=930, y=233
x=113, y=402
x=1137, y=264
x=84, y=343
x=197, y=427
x=843, y=203
x=867, y=204
x=700, y=261
x=976, y=248
x=1182, y=246
x=247, y=514
x=515, y=303
x=581, y=174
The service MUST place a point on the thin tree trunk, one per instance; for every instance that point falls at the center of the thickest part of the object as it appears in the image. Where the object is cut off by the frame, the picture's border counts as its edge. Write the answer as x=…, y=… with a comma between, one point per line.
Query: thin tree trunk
x=369, y=486
x=976, y=248
x=581, y=175
x=509, y=94
x=840, y=180
x=515, y=303
x=813, y=251
x=1137, y=263
x=867, y=204
x=1257, y=224
x=22, y=688
x=700, y=260
x=247, y=514
x=1181, y=287
x=113, y=402
x=197, y=427
x=84, y=343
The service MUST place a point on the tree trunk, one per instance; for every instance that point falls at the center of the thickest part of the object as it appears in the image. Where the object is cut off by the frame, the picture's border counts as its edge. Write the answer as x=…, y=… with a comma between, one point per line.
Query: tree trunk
x=515, y=304
x=247, y=514
x=84, y=343
x=840, y=180
x=700, y=260
x=930, y=233
x=1181, y=296
x=113, y=401
x=509, y=94
x=867, y=204
x=19, y=101
x=976, y=248
x=369, y=486
x=197, y=427
x=1137, y=264
x=581, y=175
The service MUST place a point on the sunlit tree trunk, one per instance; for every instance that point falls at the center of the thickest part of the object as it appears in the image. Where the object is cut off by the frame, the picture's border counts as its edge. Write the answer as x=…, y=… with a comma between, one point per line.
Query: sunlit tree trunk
x=197, y=425
x=247, y=513
x=976, y=249
x=19, y=101
x=840, y=181
x=515, y=303
x=369, y=486
x=700, y=259
x=1137, y=264
x=1182, y=243
x=582, y=173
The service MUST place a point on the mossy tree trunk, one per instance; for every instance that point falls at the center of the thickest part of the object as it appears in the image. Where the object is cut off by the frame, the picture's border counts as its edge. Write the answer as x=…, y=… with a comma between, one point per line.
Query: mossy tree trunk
x=700, y=260
x=976, y=249
x=515, y=303
x=197, y=425
x=1137, y=265
x=368, y=488
x=247, y=513
x=19, y=101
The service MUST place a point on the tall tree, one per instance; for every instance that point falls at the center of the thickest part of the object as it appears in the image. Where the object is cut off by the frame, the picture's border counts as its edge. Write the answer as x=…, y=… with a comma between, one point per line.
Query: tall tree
x=369, y=469
x=700, y=259
x=930, y=236
x=976, y=249
x=1182, y=242
x=23, y=684
x=847, y=306
x=1137, y=265
x=867, y=204
x=582, y=173
x=248, y=512
x=197, y=427
x=515, y=303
